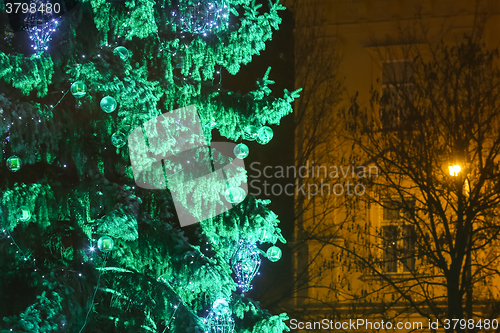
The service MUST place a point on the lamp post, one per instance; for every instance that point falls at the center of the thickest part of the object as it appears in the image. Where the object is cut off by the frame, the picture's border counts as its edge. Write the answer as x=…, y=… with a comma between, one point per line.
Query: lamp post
x=454, y=172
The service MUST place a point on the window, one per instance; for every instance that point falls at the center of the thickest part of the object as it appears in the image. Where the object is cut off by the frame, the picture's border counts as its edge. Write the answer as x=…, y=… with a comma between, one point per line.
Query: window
x=408, y=249
x=398, y=237
x=397, y=91
x=390, y=239
x=391, y=210
x=396, y=210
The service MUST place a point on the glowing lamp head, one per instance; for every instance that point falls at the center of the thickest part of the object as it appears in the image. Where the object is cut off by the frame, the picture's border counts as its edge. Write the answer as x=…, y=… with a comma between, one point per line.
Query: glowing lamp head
x=454, y=170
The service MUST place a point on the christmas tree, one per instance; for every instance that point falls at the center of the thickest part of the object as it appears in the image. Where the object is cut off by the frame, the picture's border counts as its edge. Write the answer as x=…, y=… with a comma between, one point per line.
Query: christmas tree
x=117, y=211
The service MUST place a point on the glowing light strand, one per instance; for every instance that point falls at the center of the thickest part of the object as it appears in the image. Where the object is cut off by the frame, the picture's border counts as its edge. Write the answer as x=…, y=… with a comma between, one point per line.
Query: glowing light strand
x=219, y=319
x=95, y=293
x=40, y=26
x=246, y=263
x=167, y=325
x=19, y=251
x=200, y=17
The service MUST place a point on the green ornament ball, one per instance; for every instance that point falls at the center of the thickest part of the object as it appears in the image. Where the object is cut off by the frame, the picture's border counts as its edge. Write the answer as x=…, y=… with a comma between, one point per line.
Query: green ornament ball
x=108, y=104
x=264, y=235
x=234, y=195
x=241, y=150
x=23, y=214
x=105, y=244
x=122, y=52
x=78, y=89
x=274, y=253
x=264, y=135
x=14, y=163
x=251, y=132
x=118, y=139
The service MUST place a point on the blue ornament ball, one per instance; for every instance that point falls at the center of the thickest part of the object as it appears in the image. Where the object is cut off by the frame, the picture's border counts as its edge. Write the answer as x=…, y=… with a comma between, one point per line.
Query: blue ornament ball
x=241, y=150
x=108, y=104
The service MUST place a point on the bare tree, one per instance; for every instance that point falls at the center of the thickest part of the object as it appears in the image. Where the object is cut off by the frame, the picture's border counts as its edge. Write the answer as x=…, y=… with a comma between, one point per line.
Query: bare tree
x=319, y=143
x=433, y=132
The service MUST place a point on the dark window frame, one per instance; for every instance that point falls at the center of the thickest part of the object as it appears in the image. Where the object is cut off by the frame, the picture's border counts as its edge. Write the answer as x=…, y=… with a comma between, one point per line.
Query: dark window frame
x=397, y=80
x=398, y=237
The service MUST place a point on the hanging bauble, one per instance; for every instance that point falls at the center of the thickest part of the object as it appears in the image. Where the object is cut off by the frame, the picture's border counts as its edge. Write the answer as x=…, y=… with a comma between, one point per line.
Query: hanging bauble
x=105, y=244
x=241, y=150
x=274, y=253
x=23, y=214
x=201, y=17
x=219, y=319
x=264, y=135
x=118, y=139
x=122, y=52
x=264, y=235
x=108, y=104
x=14, y=163
x=245, y=263
x=235, y=195
x=78, y=89
x=40, y=25
x=251, y=132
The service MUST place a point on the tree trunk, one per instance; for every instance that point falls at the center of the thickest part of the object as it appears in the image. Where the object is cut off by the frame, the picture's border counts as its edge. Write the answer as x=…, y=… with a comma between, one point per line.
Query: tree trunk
x=455, y=306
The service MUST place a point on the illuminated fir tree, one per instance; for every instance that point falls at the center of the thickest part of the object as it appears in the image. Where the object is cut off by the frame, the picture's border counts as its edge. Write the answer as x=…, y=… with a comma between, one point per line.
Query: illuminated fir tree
x=85, y=245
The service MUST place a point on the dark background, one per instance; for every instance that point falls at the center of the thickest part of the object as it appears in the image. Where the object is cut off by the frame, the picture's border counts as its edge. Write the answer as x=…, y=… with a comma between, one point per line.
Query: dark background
x=273, y=282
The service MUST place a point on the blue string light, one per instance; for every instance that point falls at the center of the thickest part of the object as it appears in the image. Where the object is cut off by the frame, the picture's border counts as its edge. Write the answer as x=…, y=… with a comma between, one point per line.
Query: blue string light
x=246, y=263
x=40, y=26
x=219, y=319
x=200, y=17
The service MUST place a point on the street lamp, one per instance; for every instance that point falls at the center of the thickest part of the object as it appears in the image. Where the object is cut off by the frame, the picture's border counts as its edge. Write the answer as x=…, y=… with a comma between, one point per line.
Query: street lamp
x=454, y=170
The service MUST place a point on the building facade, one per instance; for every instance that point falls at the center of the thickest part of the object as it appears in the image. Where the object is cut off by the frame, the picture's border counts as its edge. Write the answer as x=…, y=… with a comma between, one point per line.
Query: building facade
x=361, y=251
